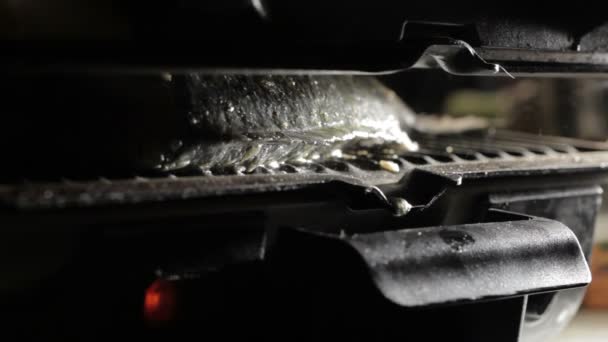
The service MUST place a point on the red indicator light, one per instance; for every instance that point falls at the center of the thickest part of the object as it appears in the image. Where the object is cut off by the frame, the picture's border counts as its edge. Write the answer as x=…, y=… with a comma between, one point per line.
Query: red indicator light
x=159, y=301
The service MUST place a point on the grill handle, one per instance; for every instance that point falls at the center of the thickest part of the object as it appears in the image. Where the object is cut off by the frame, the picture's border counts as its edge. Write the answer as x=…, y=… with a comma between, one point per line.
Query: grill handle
x=443, y=264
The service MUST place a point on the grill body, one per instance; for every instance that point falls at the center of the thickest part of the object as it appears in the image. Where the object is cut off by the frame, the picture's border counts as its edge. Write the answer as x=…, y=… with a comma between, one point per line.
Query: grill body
x=309, y=250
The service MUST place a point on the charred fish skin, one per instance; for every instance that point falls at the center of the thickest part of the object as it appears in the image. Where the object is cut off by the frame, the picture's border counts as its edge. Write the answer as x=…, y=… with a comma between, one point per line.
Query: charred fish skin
x=243, y=122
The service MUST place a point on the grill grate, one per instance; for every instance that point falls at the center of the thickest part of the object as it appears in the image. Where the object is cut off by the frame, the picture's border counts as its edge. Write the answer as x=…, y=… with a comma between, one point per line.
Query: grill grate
x=475, y=154
x=501, y=145
x=476, y=146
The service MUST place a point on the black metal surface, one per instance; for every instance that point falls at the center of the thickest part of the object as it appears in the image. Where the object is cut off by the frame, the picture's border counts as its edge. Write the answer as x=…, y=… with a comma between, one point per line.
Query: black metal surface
x=373, y=58
x=522, y=62
x=270, y=36
x=313, y=18
x=547, y=314
x=433, y=265
x=575, y=207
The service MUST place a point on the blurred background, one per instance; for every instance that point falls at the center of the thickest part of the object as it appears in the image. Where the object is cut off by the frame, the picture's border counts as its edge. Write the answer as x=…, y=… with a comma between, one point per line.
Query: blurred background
x=569, y=107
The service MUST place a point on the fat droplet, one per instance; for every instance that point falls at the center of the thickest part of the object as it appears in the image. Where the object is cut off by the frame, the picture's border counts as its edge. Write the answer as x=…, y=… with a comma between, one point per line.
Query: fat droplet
x=400, y=206
x=389, y=166
x=336, y=153
x=194, y=119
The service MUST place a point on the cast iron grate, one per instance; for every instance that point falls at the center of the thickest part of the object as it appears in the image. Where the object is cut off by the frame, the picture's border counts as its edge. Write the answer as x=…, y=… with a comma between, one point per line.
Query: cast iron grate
x=470, y=155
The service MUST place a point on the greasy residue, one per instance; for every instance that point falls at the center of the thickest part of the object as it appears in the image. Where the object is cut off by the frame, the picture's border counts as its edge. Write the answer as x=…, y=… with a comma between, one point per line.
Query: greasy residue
x=456, y=239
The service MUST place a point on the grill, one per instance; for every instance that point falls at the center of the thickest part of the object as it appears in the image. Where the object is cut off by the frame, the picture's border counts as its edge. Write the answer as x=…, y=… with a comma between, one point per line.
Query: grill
x=224, y=245
x=160, y=182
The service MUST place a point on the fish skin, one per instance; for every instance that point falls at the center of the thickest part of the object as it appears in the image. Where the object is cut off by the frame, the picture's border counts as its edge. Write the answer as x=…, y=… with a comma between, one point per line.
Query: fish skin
x=250, y=121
